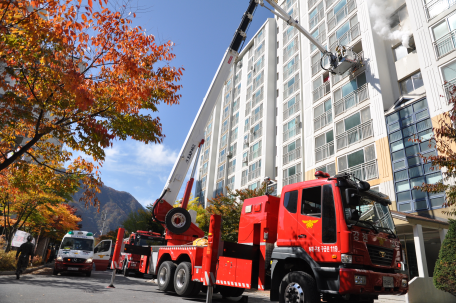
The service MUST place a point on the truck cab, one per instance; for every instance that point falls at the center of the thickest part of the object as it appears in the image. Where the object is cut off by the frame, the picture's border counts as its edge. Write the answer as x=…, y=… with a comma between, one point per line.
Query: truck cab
x=341, y=235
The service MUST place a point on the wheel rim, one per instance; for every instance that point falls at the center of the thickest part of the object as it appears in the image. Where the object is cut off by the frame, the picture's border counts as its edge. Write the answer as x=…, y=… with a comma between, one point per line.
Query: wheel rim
x=163, y=276
x=180, y=278
x=178, y=220
x=294, y=293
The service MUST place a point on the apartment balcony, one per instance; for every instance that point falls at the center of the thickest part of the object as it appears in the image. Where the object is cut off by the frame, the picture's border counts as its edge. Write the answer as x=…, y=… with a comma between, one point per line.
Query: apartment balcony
x=324, y=152
x=249, y=93
x=290, y=90
x=287, y=36
x=258, y=67
x=244, y=181
x=237, y=92
x=351, y=100
x=365, y=171
x=220, y=174
x=223, y=143
x=259, y=38
x=293, y=15
x=225, y=114
x=257, y=98
x=204, y=171
x=291, y=156
x=255, y=174
x=292, y=109
x=258, y=52
x=323, y=120
x=257, y=83
x=234, y=119
x=247, y=127
x=355, y=134
x=256, y=135
x=203, y=184
x=233, y=137
x=311, y=3
x=290, y=70
x=287, y=6
x=292, y=179
x=256, y=117
x=445, y=45
x=449, y=88
x=225, y=128
x=291, y=133
x=321, y=91
x=231, y=169
x=329, y=3
x=341, y=14
x=321, y=38
x=316, y=19
x=435, y=7
x=236, y=106
x=246, y=143
x=289, y=52
x=250, y=64
x=347, y=38
x=222, y=159
x=255, y=154
x=206, y=145
x=205, y=157
x=337, y=78
x=316, y=67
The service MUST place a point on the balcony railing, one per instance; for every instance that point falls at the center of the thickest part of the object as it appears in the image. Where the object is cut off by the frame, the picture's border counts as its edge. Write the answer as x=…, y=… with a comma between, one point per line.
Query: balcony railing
x=256, y=117
x=257, y=83
x=205, y=157
x=257, y=98
x=254, y=174
x=341, y=14
x=250, y=63
x=336, y=78
x=351, y=100
x=229, y=84
x=287, y=36
x=225, y=128
x=234, y=120
x=316, y=19
x=324, y=151
x=288, y=134
x=222, y=158
x=226, y=114
x=249, y=93
x=203, y=171
x=291, y=156
x=321, y=91
x=244, y=181
x=292, y=109
x=231, y=169
x=290, y=70
x=329, y=3
x=445, y=45
x=355, y=134
x=223, y=143
x=289, y=52
x=248, y=108
x=293, y=15
x=347, y=38
x=316, y=67
x=365, y=171
x=292, y=179
x=236, y=106
x=233, y=137
x=203, y=184
x=258, y=67
x=255, y=154
x=237, y=92
x=256, y=135
x=247, y=127
x=290, y=90
x=323, y=120
x=311, y=3
x=449, y=88
x=321, y=38
x=259, y=52
x=220, y=174
x=230, y=186
x=433, y=8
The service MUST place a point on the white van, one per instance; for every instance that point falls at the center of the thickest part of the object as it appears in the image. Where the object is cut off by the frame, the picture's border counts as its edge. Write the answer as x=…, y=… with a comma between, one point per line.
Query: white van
x=75, y=253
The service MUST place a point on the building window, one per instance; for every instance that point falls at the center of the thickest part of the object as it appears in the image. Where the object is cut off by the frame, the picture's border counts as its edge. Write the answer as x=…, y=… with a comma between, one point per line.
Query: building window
x=401, y=51
x=324, y=146
x=443, y=34
x=350, y=94
x=413, y=122
x=254, y=185
x=412, y=83
x=362, y=163
x=292, y=174
x=322, y=115
x=316, y=15
x=328, y=168
x=354, y=128
x=245, y=160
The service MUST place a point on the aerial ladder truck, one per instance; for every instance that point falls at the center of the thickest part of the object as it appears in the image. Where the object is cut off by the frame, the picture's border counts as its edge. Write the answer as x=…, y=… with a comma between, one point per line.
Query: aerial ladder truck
x=328, y=239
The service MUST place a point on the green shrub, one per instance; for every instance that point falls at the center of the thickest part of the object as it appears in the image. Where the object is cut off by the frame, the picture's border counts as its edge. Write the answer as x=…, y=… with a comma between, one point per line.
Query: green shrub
x=7, y=260
x=445, y=267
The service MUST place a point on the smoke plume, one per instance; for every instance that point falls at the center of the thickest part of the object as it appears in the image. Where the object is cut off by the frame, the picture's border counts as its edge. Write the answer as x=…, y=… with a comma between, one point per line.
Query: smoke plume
x=381, y=13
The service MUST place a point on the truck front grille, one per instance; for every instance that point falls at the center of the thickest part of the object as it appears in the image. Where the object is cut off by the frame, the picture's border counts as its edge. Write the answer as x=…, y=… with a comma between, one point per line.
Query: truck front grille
x=380, y=255
x=74, y=260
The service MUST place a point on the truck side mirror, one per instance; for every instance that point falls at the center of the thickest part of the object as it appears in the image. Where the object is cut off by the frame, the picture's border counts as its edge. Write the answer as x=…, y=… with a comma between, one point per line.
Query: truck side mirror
x=352, y=197
x=363, y=186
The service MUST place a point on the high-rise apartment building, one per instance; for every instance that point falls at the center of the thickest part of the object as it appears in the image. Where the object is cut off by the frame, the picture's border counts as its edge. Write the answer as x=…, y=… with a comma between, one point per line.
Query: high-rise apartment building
x=282, y=115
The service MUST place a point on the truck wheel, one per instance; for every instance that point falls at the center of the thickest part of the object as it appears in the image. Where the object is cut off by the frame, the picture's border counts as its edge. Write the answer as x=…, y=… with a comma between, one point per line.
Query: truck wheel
x=228, y=291
x=178, y=220
x=298, y=286
x=55, y=272
x=197, y=286
x=183, y=283
x=88, y=274
x=165, y=277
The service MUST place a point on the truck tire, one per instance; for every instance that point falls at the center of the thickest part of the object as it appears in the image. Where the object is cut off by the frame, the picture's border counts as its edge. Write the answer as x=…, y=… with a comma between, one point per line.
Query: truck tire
x=55, y=272
x=178, y=220
x=183, y=284
x=298, y=286
x=228, y=291
x=88, y=274
x=165, y=276
x=197, y=286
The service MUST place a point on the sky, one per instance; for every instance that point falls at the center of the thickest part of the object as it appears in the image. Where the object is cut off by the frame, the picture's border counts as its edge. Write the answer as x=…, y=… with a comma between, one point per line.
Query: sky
x=202, y=31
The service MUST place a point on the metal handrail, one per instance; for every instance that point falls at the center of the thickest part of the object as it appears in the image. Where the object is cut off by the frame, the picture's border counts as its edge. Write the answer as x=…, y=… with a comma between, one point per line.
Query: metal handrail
x=347, y=38
x=320, y=38
x=344, y=12
x=288, y=71
x=448, y=87
x=222, y=159
x=325, y=151
x=445, y=44
x=289, y=52
x=220, y=174
x=351, y=100
x=259, y=52
x=434, y=8
x=256, y=135
x=291, y=156
x=288, y=36
x=316, y=19
x=255, y=154
x=293, y=179
x=355, y=134
x=254, y=174
x=321, y=91
x=257, y=83
x=365, y=171
x=290, y=133
x=292, y=109
x=258, y=68
x=292, y=89
x=323, y=120
x=256, y=117
x=257, y=98
x=234, y=119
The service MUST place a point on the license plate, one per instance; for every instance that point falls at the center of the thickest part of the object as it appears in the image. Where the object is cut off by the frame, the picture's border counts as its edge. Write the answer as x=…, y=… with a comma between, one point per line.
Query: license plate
x=388, y=282
x=73, y=268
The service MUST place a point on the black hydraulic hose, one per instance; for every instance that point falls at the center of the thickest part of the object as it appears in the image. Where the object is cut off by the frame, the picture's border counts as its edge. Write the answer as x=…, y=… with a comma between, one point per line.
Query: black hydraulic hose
x=153, y=208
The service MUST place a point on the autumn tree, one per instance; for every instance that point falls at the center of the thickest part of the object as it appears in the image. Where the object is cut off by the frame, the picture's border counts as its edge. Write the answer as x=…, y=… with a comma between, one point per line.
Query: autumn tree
x=444, y=140
x=229, y=206
x=79, y=75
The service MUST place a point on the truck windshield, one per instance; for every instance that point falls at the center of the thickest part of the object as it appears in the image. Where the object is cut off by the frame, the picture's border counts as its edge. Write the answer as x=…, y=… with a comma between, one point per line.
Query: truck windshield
x=147, y=241
x=77, y=244
x=370, y=214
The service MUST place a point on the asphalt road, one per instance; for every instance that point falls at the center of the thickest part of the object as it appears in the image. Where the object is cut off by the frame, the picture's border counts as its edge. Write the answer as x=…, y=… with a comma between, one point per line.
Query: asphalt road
x=42, y=287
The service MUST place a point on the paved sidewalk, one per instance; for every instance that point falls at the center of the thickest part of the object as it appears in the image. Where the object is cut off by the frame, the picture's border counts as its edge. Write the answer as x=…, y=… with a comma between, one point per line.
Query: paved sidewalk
x=391, y=299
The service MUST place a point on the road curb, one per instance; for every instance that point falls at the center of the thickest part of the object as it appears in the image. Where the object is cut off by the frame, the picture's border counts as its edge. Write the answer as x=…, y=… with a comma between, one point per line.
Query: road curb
x=28, y=270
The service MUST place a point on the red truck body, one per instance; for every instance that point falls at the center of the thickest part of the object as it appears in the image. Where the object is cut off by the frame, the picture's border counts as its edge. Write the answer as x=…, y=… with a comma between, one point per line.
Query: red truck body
x=294, y=233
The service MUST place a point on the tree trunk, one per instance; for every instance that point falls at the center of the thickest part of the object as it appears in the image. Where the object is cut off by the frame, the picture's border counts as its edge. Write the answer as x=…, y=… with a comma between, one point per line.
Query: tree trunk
x=9, y=239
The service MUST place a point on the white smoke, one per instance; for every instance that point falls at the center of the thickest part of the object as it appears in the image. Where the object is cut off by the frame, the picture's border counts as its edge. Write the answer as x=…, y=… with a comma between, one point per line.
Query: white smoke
x=381, y=12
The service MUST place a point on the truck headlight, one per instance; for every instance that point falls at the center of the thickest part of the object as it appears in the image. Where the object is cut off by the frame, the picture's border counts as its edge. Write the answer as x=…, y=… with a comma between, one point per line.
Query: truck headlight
x=89, y=260
x=360, y=280
x=59, y=258
x=346, y=258
x=404, y=283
